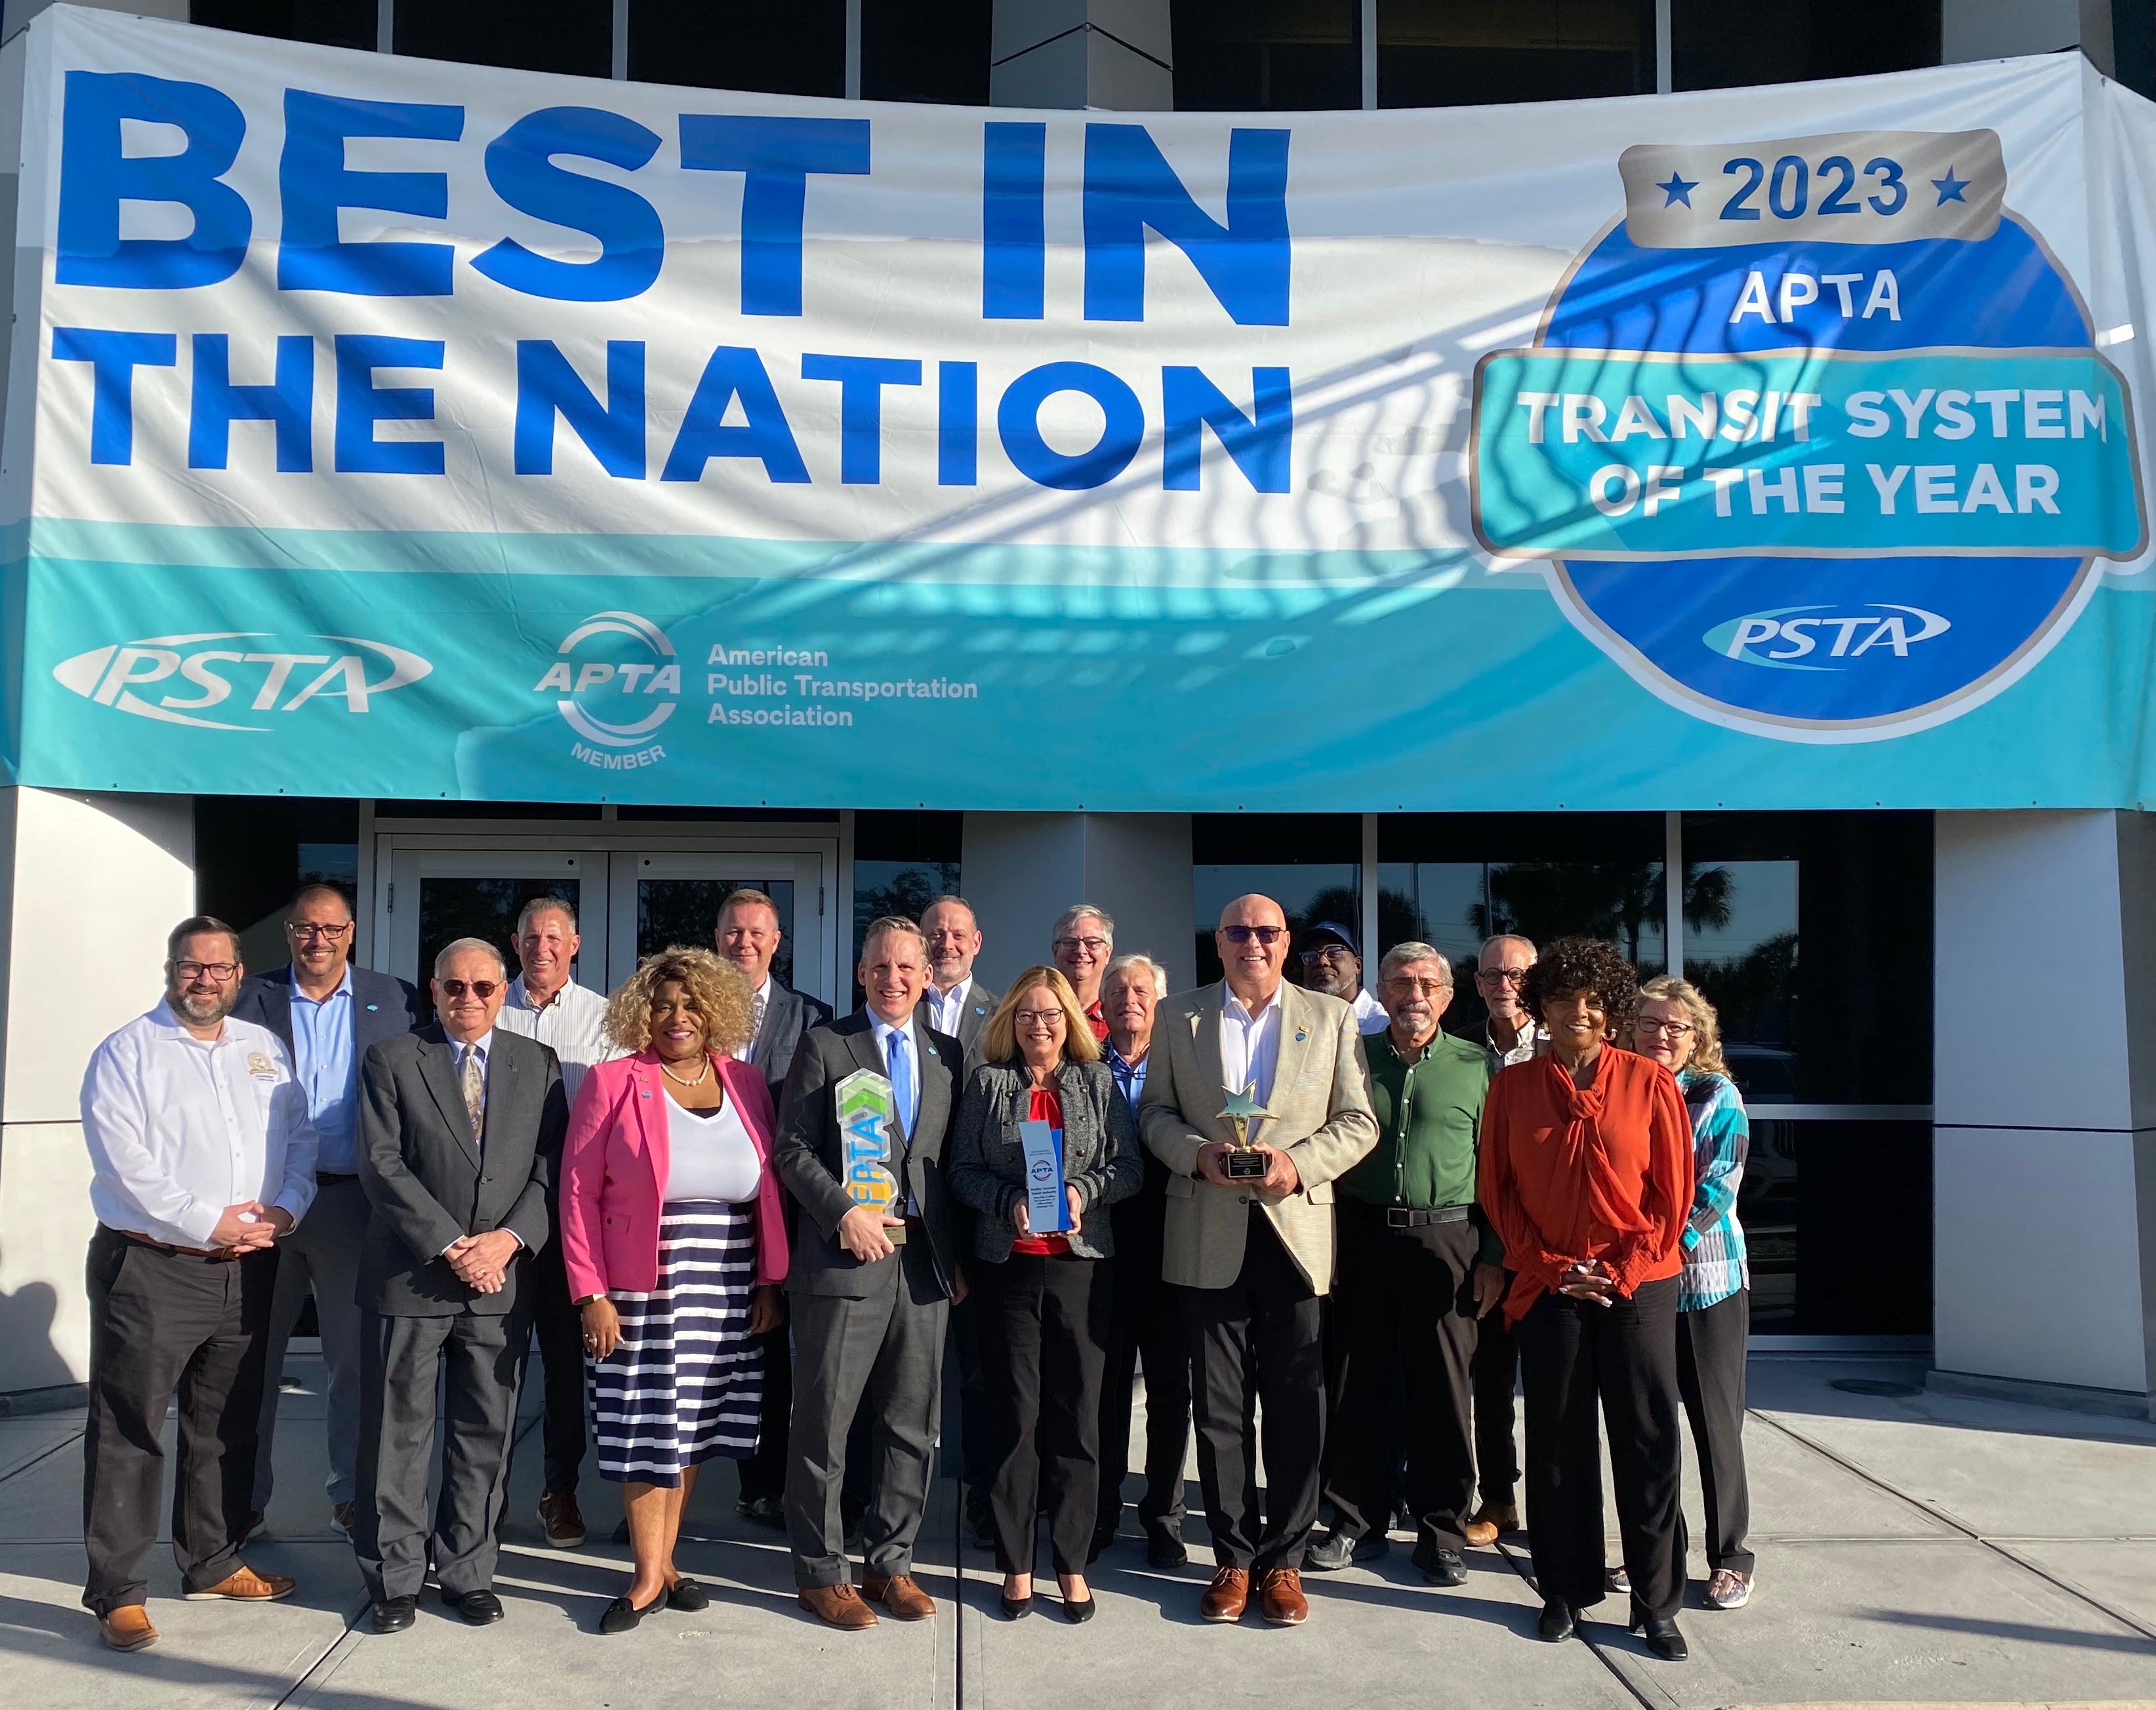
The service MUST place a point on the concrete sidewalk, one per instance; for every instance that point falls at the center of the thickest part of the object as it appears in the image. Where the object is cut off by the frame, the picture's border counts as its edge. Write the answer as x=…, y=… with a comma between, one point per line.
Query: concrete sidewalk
x=1914, y=1549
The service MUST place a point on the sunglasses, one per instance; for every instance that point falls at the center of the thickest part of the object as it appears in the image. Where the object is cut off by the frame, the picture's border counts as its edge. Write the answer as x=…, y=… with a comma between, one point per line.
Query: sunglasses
x=480, y=989
x=1243, y=935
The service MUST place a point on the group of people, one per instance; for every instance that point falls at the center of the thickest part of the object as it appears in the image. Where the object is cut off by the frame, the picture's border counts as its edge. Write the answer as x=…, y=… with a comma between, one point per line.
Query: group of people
x=737, y=1227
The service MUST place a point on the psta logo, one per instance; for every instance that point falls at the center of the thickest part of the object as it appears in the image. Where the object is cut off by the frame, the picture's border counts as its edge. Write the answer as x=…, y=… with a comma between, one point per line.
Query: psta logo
x=1824, y=639
x=211, y=665
x=619, y=665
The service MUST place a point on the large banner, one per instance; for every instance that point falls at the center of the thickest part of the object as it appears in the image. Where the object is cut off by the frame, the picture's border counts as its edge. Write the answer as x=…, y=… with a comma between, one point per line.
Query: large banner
x=383, y=427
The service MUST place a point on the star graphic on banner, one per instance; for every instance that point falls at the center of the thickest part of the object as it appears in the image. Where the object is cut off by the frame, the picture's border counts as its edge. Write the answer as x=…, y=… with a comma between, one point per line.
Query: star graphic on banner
x=1678, y=190
x=1949, y=188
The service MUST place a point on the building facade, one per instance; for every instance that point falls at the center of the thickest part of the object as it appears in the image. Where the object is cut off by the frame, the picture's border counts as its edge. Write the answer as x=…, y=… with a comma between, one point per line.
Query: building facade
x=1937, y=1161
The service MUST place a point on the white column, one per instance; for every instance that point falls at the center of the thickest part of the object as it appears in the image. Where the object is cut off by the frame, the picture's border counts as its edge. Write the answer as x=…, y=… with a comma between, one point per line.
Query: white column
x=1114, y=54
x=2044, y=1091
x=1020, y=870
x=89, y=885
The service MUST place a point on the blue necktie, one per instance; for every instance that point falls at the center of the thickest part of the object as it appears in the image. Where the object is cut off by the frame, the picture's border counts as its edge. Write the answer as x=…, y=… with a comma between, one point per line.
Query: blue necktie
x=901, y=1076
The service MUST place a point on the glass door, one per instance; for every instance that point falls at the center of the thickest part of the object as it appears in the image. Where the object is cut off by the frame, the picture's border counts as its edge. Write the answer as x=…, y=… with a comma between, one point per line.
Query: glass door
x=436, y=895
x=660, y=898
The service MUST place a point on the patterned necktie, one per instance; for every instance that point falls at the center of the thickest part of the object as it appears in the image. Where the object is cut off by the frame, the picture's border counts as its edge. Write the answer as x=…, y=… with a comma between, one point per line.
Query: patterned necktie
x=475, y=1090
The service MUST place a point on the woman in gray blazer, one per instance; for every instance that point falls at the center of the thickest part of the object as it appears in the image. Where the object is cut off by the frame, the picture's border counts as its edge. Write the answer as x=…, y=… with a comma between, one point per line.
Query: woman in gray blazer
x=1046, y=1294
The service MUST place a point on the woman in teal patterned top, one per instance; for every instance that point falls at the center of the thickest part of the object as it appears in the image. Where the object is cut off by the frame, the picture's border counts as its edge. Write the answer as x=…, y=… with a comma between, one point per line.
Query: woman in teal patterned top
x=1676, y=1027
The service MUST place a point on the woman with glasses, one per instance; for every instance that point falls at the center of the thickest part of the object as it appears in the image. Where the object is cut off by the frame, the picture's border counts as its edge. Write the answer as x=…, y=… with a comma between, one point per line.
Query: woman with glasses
x=1586, y=1174
x=1046, y=1296
x=673, y=1236
x=1678, y=1029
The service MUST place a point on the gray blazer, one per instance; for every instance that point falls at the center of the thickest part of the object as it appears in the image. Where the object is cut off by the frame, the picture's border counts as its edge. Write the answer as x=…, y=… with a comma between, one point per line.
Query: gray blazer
x=429, y=1183
x=1100, y=1155
x=786, y=1015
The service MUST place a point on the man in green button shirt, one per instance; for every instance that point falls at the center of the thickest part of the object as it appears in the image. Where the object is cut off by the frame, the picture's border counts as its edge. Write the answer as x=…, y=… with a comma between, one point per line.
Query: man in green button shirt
x=1417, y=1269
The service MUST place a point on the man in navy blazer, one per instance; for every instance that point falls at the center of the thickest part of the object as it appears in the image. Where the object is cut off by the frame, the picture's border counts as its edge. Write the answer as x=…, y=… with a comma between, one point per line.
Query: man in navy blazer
x=328, y=1012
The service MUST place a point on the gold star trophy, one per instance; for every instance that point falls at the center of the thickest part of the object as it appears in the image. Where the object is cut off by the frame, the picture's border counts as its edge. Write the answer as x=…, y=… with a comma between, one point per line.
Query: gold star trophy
x=1245, y=1162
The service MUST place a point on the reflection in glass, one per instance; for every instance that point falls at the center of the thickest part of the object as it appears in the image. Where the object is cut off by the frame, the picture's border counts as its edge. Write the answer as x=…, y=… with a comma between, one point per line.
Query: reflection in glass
x=903, y=888
x=672, y=911
x=1745, y=961
x=450, y=909
x=1848, y=1275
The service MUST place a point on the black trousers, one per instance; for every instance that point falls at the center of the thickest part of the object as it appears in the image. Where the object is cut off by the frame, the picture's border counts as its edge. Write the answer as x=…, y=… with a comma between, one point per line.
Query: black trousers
x=1045, y=1323
x=1405, y=1313
x=1258, y=1340
x=1496, y=1376
x=161, y=1321
x=1711, y=1347
x=1574, y=1355
x=1148, y=1334
x=763, y=1474
x=558, y=1327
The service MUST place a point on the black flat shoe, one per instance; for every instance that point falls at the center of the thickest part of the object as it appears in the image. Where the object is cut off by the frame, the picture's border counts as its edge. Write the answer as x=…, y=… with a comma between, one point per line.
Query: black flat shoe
x=1441, y=1566
x=1164, y=1549
x=1662, y=1637
x=1559, y=1621
x=479, y=1609
x=621, y=1615
x=392, y=1614
x=1016, y=1609
x=686, y=1595
x=1076, y=1612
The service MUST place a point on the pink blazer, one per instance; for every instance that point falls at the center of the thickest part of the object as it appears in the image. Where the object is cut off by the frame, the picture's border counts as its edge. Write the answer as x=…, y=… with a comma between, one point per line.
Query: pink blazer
x=613, y=1175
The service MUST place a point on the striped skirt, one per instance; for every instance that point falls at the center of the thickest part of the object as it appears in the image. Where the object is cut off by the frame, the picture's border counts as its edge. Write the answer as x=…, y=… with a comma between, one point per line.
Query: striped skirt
x=685, y=1383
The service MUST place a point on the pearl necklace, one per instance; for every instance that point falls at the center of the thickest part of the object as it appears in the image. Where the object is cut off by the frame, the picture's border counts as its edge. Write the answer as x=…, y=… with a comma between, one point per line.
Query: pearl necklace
x=683, y=1080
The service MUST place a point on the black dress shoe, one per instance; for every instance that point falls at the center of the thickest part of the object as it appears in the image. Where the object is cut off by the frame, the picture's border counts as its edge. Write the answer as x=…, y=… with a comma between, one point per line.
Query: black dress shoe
x=1104, y=1537
x=1164, y=1549
x=392, y=1614
x=1661, y=1635
x=1076, y=1612
x=621, y=1616
x=1558, y=1622
x=686, y=1595
x=1441, y=1566
x=762, y=1511
x=1016, y=1609
x=1331, y=1554
x=479, y=1609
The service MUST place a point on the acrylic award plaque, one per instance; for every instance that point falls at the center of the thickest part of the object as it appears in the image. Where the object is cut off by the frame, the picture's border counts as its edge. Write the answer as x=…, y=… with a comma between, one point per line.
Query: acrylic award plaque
x=866, y=1118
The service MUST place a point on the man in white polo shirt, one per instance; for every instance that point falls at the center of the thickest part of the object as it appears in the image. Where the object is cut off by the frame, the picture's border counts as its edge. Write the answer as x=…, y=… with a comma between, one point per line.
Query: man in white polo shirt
x=202, y=1154
x=544, y=1003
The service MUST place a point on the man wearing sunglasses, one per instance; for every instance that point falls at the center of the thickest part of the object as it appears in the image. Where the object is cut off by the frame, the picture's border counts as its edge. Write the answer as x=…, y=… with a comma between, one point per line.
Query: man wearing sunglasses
x=1252, y=1255
x=460, y=1131
x=327, y=1013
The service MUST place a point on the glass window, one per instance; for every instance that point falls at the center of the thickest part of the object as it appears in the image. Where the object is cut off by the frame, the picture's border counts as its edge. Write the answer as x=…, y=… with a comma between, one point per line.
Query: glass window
x=333, y=24
x=1257, y=56
x=450, y=909
x=571, y=36
x=926, y=51
x=1823, y=1261
x=902, y=862
x=1310, y=864
x=672, y=911
x=797, y=49
x=252, y=852
x=1467, y=53
x=1716, y=45
x=1811, y=934
x=1452, y=880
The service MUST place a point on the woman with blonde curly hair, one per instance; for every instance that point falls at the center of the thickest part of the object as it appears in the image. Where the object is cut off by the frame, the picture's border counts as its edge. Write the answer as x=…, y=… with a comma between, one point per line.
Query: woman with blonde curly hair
x=674, y=1236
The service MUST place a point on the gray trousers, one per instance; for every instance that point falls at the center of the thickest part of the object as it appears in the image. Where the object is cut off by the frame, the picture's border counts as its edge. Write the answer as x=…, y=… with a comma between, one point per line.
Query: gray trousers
x=479, y=1359
x=888, y=1348
x=321, y=1257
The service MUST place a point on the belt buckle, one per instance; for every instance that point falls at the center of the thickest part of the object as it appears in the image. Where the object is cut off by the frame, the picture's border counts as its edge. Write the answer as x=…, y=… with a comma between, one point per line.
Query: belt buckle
x=1400, y=1217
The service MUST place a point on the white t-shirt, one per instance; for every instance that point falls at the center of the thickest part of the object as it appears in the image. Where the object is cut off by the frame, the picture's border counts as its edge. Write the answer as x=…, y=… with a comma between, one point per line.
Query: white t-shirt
x=712, y=1155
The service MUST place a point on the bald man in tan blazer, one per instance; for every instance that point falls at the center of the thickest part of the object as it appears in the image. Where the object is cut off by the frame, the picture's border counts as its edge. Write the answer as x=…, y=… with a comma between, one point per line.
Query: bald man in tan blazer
x=1250, y=1258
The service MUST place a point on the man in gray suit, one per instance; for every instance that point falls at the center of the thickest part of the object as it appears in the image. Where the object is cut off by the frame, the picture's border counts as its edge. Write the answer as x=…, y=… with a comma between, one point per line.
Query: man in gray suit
x=460, y=1131
x=871, y=1290
x=958, y=1003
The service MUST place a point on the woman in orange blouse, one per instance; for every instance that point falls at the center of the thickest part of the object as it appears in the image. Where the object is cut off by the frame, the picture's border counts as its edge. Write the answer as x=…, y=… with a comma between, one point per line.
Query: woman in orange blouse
x=1586, y=1175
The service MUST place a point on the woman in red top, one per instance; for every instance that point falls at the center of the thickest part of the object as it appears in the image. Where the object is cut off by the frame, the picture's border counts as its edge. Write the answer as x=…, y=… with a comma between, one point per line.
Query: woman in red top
x=1046, y=1296
x=1585, y=1173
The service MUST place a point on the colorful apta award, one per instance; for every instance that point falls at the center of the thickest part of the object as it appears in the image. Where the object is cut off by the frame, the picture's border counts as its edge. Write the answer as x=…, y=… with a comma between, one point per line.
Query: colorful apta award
x=866, y=1123
x=1245, y=1162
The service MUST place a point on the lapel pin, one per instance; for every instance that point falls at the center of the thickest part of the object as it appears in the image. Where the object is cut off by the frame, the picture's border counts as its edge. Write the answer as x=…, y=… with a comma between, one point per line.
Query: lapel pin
x=370, y=1006
x=1301, y=1035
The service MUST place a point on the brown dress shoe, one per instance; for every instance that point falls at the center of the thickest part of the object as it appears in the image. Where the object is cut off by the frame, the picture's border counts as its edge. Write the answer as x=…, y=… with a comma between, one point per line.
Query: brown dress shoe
x=901, y=1597
x=838, y=1606
x=561, y=1518
x=128, y=1628
x=244, y=1585
x=1227, y=1597
x=1493, y=1520
x=1280, y=1597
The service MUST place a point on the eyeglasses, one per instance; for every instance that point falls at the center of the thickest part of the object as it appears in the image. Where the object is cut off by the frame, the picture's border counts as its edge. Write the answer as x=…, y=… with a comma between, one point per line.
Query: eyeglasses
x=1676, y=1029
x=480, y=989
x=311, y=930
x=1092, y=947
x=1243, y=935
x=1501, y=976
x=1404, y=983
x=190, y=972
x=1329, y=952
x=1046, y=1020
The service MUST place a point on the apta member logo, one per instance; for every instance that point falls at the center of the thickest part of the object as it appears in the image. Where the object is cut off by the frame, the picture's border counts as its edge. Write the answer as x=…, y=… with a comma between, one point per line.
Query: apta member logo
x=618, y=679
x=178, y=679
x=1831, y=384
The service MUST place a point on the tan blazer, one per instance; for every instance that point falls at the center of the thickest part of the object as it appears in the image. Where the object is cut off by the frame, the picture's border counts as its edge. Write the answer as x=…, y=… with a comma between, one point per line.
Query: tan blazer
x=1321, y=1098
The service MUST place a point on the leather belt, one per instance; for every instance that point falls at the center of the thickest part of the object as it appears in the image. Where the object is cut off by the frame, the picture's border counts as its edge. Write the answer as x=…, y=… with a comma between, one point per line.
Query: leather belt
x=223, y=1256
x=324, y=1179
x=1402, y=1217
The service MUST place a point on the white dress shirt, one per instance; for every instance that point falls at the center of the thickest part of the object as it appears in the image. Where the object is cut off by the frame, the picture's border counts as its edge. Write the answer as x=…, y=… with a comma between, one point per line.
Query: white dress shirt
x=1250, y=1046
x=1370, y=1015
x=947, y=1010
x=178, y=1128
x=571, y=1021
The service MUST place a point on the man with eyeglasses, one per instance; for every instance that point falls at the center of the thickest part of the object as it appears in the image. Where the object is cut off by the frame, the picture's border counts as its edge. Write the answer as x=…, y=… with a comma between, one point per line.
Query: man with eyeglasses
x=1418, y=1266
x=1332, y=965
x=326, y=1011
x=460, y=1130
x=1252, y=1256
x=202, y=1155
x=1512, y=1035
x=1081, y=945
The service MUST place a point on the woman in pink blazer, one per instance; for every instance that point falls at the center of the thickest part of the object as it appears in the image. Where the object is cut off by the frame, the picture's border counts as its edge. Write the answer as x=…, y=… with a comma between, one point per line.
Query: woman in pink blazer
x=674, y=1234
